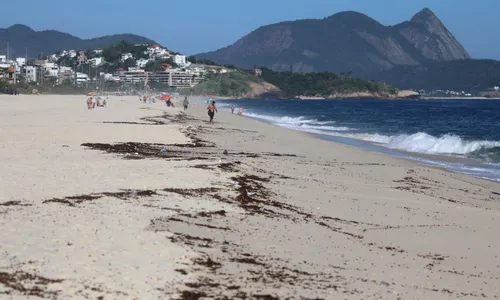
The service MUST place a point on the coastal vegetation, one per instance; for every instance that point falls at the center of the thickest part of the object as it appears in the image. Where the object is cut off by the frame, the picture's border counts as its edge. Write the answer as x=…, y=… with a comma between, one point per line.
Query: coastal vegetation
x=322, y=84
x=236, y=83
x=239, y=83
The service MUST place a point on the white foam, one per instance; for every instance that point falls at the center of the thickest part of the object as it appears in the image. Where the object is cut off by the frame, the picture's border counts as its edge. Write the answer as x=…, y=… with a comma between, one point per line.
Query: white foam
x=420, y=142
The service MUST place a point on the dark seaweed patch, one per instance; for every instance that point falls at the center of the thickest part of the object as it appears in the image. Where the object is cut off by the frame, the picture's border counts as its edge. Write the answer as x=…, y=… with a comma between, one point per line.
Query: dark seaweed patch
x=14, y=203
x=135, y=151
x=28, y=284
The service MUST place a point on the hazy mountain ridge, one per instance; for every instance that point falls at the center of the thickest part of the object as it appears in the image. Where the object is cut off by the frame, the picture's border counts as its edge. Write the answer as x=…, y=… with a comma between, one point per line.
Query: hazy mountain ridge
x=343, y=42
x=49, y=41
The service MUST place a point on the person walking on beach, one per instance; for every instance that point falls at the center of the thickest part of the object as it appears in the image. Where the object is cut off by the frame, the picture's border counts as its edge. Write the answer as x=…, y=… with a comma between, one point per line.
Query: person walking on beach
x=212, y=110
x=240, y=112
x=186, y=103
x=232, y=109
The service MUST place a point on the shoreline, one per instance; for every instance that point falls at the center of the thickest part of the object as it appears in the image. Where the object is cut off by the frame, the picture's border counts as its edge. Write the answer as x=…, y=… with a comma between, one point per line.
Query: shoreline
x=238, y=208
x=446, y=162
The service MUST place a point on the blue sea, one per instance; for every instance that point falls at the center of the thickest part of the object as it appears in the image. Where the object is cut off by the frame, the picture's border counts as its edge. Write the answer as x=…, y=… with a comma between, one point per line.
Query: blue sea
x=460, y=135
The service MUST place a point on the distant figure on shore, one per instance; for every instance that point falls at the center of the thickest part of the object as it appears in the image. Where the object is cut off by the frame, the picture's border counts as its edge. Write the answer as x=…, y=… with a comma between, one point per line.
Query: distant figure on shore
x=240, y=112
x=89, y=103
x=232, y=109
x=104, y=103
x=211, y=111
x=186, y=103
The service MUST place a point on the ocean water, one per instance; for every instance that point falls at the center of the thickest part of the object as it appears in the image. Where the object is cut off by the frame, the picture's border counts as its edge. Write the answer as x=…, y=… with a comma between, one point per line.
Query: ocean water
x=460, y=135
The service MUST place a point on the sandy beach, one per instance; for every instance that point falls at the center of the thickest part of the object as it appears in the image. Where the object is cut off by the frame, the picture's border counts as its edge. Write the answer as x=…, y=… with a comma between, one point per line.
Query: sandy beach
x=141, y=201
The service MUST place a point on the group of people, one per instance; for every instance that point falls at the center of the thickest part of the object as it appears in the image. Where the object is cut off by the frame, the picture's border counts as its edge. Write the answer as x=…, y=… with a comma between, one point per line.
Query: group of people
x=93, y=102
x=212, y=109
x=240, y=111
x=146, y=99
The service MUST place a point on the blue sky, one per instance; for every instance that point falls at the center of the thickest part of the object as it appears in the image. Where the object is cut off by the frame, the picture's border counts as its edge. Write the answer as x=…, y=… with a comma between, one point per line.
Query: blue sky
x=193, y=26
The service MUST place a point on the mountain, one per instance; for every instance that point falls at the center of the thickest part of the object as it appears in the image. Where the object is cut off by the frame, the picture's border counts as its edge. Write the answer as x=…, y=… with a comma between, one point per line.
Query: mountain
x=344, y=42
x=429, y=35
x=50, y=41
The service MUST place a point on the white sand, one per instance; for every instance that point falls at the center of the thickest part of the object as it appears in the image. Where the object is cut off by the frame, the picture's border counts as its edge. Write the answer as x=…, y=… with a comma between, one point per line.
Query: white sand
x=357, y=225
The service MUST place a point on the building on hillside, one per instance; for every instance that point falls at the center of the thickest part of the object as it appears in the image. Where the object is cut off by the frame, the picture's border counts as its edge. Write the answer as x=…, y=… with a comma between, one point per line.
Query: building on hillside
x=51, y=70
x=30, y=75
x=141, y=63
x=132, y=77
x=157, y=51
x=81, y=57
x=3, y=59
x=257, y=72
x=21, y=61
x=183, y=79
x=72, y=53
x=496, y=88
x=111, y=77
x=126, y=56
x=98, y=51
x=96, y=61
x=180, y=60
x=65, y=75
x=82, y=77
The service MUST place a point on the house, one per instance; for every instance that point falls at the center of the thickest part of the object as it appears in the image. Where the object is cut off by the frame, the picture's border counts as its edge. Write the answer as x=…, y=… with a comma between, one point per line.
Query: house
x=154, y=48
x=3, y=59
x=81, y=57
x=166, y=66
x=21, y=61
x=30, y=75
x=51, y=69
x=126, y=56
x=180, y=60
x=141, y=63
x=65, y=74
x=157, y=50
x=496, y=88
x=72, y=53
x=81, y=77
x=257, y=72
x=98, y=51
x=96, y=61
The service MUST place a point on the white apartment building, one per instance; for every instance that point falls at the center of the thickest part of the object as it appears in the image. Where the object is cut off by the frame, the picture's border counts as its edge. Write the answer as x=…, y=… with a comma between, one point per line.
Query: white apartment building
x=3, y=59
x=96, y=61
x=132, y=76
x=141, y=63
x=51, y=69
x=180, y=60
x=81, y=77
x=157, y=50
x=30, y=74
x=126, y=56
x=98, y=51
x=496, y=88
x=21, y=61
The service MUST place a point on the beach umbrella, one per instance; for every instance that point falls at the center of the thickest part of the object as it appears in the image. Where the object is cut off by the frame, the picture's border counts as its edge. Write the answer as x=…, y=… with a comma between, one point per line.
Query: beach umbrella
x=165, y=98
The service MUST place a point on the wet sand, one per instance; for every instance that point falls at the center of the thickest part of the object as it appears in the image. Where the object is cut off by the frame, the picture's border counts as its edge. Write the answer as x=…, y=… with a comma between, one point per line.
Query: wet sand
x=91, y=207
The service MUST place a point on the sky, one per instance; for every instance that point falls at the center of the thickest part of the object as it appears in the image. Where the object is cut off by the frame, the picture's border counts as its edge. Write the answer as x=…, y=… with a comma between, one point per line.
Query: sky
x=194, y=26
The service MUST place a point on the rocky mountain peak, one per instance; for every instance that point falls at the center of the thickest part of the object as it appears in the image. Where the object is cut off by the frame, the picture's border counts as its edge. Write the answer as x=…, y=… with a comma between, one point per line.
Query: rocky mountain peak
x=424, y=14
